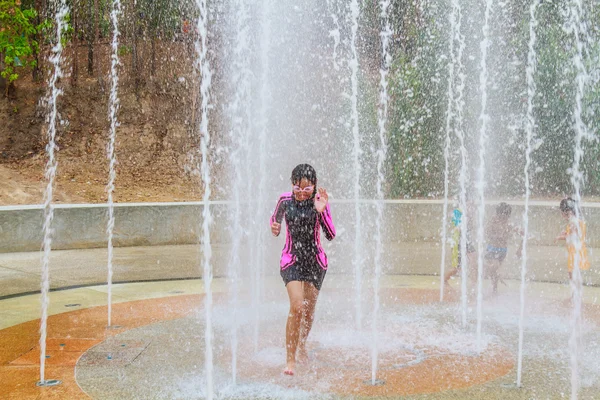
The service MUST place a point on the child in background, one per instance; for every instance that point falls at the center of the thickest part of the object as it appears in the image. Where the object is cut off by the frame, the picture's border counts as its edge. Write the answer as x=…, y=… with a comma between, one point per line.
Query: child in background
x=498, y=231
x=574, y=232
x=457, y=219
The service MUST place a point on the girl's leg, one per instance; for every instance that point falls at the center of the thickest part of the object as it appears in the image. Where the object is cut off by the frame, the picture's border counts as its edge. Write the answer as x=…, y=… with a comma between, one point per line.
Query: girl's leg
x=310, y=301
x=292, y=328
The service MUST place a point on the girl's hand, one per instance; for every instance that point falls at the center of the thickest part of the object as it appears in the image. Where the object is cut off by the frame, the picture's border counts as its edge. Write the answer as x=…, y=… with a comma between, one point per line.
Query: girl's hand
x=321, y=200
x=275, y=229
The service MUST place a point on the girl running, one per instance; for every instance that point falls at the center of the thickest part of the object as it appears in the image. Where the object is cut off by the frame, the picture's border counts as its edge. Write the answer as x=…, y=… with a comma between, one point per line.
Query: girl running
x=303, y=261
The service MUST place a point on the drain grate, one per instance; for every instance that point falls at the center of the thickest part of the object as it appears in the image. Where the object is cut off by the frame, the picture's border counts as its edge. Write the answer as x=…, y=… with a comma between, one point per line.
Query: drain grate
x=510, y=385
x=49, y=382
x=377, y=382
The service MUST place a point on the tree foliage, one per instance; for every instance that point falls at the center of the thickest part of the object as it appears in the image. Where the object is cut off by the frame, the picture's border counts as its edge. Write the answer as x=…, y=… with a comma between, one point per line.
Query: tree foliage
x=418, y=103
x=417, y=79
x=17, y=29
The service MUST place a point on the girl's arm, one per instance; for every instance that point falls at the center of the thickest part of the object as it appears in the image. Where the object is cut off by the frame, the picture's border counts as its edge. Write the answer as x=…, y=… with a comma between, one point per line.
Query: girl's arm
x=327, y=223
x=277, y=217
x=322, y=207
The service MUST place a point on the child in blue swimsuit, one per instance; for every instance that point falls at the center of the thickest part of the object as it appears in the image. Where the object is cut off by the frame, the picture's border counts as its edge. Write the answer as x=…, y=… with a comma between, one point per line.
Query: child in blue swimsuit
x=303, y=262
x=498, y=231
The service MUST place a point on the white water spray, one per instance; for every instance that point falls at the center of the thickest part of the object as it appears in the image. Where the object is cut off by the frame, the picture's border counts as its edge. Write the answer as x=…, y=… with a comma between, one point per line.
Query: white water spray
x=382, y=114
x=113, y=108
x=449, y=115
x=579, y=30
x=333, y=10
x=462, y=177
x=54, y=92
x=203, y=67
x=240, y=115
x=265, y=106
x=483, y=79
x=530, y=129
x=358, y=246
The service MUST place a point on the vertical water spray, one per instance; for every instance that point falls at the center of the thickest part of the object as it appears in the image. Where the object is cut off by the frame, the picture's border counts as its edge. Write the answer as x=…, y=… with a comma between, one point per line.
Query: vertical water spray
x=240, y=115
x=234, y=261
x=382, y=114
x=462, y=177
x=54, y=92
x=483, y=79
x=358, y=246
x=578, y=28
x=449, y=115
x=203, y=66
x=113, y=108
x=265, y=104
x=530, y=129
x=334, y=33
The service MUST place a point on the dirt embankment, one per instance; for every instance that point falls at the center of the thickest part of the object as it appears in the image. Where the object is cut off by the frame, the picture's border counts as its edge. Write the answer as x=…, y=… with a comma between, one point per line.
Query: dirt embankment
x=153, y=143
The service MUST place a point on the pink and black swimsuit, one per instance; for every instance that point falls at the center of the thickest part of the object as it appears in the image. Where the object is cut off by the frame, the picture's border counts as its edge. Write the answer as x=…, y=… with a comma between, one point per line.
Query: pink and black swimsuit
x=302, y=257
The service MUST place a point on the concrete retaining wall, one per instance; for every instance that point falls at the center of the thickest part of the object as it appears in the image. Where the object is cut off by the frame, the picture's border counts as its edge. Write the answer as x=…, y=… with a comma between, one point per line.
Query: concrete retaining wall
x=144, y=233
x=83, y=226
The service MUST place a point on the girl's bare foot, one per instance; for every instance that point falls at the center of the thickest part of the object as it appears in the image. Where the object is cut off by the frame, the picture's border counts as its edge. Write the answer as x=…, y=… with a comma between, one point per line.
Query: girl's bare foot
x=289, y=369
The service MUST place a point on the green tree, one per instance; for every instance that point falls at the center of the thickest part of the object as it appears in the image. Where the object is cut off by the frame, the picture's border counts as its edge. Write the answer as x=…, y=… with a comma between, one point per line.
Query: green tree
x=416, y=104
x=17, y=43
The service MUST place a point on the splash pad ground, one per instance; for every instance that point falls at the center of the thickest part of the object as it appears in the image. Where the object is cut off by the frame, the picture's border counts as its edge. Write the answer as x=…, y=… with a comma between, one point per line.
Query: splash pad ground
x=156, y=348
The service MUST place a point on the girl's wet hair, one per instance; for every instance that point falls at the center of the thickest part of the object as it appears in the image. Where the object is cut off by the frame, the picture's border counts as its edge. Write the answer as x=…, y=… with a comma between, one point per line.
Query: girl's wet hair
x=304, y=171
x=567, y=205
